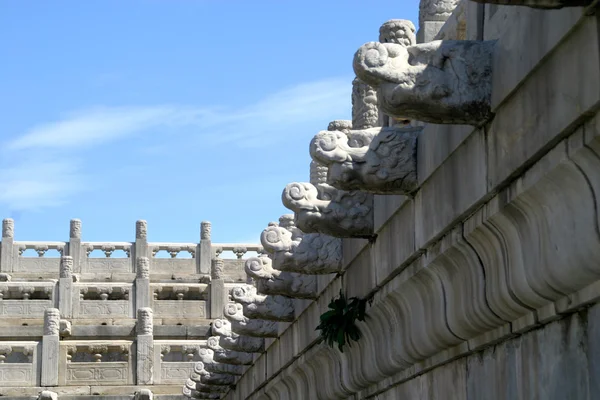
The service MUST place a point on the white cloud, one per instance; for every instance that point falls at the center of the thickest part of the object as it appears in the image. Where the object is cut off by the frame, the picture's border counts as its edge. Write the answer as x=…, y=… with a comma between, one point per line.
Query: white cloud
x=33, y=182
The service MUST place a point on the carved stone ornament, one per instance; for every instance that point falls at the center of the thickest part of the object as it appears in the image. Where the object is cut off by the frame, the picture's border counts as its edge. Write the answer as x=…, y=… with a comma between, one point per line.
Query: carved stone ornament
x=65, y=328
x=436, y=10
x=258, y=306
x=226, y=356
x=234, y=341
x=141, y=229
x=4, y=277
x=142, y=270
x=143, y=394
x=318, y=173
x=207, y=358
x=272, y=281
x=144, y=321
x=51, y=322
x=75, y=229
x=205, y=230
x=340, y=125
x=243, y=325
x=66, y=267
x=205, y=388
x=47, y=395
x=387, y=164
x=218, y=268
x=365, y=112
x=400, y=31
x=8, y=228
x=442, y=82
x=294, y=251
x=544, y=4
x=194, y=394
x=204, y=376
x=324, y=209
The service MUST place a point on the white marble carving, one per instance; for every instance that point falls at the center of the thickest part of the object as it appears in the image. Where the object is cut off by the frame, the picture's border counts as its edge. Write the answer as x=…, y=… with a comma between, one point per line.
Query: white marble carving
x=205, y=388
x=207, y=358
x=442, y=82
x=295, y=251
x=51, y=322
x=365, y=112
x=259, y=306
x=8, y=228
x=66, y=267
x=400, y=31
x=436, y=10
x=272, y=281
x=47, y=395
x=202, y=375
x=227, y=356
x=324, y=209
x=205, y=230
x=142, y=268
x=218, y=268
x=234, y=341
x=144, y=321
x=340, y=125
x=143, y=394
x=386, y=163
x=141, y=229
x=194, y=394
x=243, y=325
x=75, y=229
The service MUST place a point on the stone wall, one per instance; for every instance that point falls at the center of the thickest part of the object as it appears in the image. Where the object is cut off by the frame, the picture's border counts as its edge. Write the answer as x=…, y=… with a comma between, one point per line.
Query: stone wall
x=485, y=278
x=112, y=318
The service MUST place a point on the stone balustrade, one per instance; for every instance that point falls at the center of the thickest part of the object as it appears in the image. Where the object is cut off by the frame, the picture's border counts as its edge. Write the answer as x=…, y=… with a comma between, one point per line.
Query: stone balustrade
x=111, y=314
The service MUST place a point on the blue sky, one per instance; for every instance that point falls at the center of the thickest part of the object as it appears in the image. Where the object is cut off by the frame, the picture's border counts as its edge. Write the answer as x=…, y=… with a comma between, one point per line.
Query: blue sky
x=173, y=111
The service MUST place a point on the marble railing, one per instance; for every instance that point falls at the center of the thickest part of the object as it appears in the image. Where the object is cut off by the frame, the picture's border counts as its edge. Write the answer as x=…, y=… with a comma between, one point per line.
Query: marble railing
x=104, y=260
x=18, y=364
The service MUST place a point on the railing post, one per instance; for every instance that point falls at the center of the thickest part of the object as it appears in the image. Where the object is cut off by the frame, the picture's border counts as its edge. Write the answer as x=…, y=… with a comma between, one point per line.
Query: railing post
x=143, y=297
x=65, y=287
x=75, y=244
x=204, y=253
x=50, y=347
x=8, y=238
x=145, y=346
x=217, y=289
x=141, y=241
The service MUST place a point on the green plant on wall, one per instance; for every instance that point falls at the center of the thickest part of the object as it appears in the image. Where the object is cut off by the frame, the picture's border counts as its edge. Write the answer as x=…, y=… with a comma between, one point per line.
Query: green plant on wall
x=338, y=325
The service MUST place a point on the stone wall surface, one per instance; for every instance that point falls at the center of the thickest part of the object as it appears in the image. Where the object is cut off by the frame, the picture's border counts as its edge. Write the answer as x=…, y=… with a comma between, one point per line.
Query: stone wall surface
x=485, y=278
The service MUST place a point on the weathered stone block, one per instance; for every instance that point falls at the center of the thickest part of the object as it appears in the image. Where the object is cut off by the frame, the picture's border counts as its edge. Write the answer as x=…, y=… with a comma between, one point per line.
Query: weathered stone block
x=547, y=106
x=451, y=190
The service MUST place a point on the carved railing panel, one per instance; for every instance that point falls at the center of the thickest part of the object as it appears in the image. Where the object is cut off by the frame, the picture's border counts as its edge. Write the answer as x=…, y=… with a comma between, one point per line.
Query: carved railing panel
x=39, y=262
x=94, y=300
x=107, y=264
x=173, y=257
x=173, y=373
x=87, y=363
x=18, y=366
